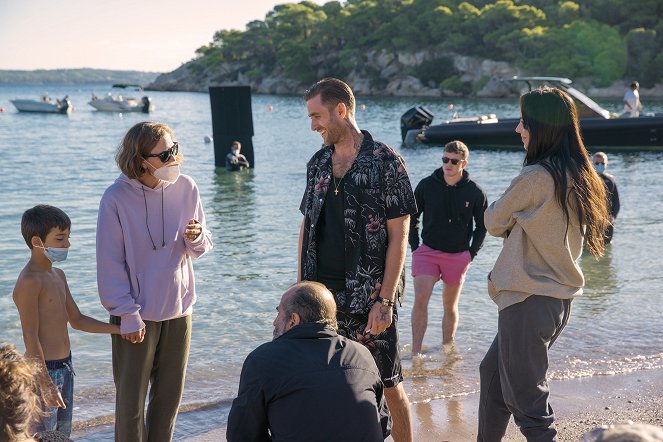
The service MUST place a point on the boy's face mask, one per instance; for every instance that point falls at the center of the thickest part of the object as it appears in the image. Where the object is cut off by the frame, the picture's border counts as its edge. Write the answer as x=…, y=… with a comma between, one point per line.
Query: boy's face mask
x=54, y=254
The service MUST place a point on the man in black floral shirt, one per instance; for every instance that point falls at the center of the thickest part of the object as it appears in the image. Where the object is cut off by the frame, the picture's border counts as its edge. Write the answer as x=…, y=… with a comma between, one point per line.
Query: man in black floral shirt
x=353, y=239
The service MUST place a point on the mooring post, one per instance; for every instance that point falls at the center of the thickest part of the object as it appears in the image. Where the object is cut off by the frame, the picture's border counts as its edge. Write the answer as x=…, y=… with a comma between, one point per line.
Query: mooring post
x=232, y=120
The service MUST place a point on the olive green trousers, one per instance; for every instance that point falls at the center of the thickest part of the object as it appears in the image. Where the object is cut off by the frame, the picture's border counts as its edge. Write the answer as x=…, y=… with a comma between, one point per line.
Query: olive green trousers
x=157, y=364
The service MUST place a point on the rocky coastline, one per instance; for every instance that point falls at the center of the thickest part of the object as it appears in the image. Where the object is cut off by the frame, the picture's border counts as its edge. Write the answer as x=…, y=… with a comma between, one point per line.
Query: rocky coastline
x=382, y=73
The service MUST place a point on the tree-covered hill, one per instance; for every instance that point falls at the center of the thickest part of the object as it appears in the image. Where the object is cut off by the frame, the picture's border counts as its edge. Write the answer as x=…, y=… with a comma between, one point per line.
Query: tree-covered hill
x=600, y=40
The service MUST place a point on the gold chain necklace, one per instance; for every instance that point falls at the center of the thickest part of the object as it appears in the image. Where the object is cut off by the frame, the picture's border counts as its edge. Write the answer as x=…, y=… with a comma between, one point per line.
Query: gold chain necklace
x=336, y=186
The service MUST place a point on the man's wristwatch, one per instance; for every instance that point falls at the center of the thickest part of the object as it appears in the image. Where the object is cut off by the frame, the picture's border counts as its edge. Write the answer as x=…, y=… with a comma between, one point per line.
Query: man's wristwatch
x=385, y=302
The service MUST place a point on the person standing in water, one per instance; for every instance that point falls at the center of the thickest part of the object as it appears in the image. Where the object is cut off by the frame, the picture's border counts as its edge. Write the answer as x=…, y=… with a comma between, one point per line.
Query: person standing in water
x=550, y=210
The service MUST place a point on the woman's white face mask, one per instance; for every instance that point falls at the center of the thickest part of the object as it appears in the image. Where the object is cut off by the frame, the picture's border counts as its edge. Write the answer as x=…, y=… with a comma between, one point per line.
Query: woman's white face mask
x=168, y=172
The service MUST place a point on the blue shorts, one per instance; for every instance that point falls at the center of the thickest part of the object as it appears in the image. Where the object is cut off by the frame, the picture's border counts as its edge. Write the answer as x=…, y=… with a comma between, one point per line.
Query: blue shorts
x=62, y=374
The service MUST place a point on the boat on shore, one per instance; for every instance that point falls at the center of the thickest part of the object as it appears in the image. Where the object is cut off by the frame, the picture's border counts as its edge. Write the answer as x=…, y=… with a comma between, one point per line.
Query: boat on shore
x=598, y=127
x=44, y=105
x=116, y=102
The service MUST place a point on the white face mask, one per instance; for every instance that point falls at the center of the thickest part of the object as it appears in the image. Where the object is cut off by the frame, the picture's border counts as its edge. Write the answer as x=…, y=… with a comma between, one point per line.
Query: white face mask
x=168, y=173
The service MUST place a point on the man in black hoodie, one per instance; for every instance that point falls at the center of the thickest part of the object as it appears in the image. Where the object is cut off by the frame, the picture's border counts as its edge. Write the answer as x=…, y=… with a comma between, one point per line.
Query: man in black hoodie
x=452, y=234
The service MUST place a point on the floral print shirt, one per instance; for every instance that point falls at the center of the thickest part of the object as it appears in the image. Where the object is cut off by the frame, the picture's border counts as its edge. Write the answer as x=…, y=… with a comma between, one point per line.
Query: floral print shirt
x=376, y=188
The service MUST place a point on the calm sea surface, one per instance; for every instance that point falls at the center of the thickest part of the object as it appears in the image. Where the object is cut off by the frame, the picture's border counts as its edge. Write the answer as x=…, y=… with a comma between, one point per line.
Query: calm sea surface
x=68, y=162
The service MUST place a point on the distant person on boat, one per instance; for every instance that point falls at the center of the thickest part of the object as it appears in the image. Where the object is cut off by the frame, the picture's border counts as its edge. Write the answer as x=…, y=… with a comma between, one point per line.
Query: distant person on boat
x=150, y=227
x=309, y=383
x=601, y=164
x=632, y=105
x=234, y=160
x=452, y=233
x=353, y=238
x=550, y=210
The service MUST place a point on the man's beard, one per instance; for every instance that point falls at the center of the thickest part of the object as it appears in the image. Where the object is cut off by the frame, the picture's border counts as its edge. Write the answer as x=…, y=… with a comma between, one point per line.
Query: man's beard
x=279, y=329
x=334, y=133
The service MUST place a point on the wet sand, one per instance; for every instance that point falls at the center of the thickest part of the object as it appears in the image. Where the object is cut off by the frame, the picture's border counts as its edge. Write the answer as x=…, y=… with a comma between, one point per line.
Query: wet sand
x=580, y=405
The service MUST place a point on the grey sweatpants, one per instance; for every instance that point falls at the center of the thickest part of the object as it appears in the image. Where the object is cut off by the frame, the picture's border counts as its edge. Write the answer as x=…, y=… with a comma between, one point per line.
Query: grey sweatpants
x=158, y=362
x=513, y=372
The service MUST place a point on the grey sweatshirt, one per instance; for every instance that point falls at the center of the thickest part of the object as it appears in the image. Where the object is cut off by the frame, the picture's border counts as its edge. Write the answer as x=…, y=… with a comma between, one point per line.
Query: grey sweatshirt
x=539, y=255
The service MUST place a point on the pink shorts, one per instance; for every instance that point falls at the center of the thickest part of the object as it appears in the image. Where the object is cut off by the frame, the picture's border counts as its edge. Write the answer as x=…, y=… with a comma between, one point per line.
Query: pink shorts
x=449, y=267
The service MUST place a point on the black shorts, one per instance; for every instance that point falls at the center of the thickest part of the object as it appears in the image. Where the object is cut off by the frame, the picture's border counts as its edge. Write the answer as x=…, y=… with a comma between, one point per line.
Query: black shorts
x=383, y=347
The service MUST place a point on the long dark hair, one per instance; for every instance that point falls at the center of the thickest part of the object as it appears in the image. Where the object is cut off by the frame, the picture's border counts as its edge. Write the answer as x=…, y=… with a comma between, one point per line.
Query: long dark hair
x=555, y=143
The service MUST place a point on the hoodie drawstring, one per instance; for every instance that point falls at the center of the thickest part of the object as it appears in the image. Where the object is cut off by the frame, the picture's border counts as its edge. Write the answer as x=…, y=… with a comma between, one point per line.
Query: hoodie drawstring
x=147, y=224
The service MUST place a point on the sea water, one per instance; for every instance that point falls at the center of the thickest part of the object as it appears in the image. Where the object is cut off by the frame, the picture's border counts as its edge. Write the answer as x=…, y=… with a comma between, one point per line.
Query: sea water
x=254, y=218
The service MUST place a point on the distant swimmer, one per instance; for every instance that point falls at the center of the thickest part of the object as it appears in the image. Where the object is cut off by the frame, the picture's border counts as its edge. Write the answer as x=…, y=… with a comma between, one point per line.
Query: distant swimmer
x=234, y=160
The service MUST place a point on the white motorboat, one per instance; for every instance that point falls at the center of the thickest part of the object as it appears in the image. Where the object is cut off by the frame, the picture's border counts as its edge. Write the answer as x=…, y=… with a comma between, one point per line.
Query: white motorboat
x=119, y=103
x=44, y=105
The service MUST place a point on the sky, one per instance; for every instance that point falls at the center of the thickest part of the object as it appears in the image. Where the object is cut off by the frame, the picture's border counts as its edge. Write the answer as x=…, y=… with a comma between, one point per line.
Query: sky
x=143, y=35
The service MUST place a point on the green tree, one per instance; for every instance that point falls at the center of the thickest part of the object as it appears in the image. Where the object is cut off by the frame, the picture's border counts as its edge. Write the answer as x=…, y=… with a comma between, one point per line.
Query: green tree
x=642, y=51
x=581, y=49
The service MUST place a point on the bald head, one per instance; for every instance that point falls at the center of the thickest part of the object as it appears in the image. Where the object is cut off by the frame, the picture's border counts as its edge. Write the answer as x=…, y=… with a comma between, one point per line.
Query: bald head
x=601, y=157
x=312, y=301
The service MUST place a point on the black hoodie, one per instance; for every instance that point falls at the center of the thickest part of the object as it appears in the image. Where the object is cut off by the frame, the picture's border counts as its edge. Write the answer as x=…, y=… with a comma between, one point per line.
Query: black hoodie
x=448, y=214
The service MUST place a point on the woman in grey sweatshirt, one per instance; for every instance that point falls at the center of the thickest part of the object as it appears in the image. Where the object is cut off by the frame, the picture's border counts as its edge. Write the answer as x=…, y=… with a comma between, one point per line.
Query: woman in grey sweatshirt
x=554, y=207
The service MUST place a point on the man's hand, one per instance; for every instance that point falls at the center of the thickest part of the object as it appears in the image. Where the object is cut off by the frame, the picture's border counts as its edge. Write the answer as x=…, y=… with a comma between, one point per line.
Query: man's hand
x=51, y=395
x=380, y=316
x=135, y=337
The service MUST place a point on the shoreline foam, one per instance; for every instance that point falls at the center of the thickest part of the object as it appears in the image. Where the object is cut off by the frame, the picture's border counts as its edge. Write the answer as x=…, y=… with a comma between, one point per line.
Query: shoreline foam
x=580, y=405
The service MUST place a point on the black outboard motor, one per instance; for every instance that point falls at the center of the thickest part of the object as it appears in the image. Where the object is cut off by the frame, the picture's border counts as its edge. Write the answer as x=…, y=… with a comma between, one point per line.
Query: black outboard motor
x=65, y=105
x=415, y=118
x=147, y=103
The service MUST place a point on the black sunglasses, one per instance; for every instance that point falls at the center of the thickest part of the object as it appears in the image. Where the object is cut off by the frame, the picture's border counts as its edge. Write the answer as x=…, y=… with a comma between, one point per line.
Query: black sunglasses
x=454, y=161
x=596, y=163
x=166, y=154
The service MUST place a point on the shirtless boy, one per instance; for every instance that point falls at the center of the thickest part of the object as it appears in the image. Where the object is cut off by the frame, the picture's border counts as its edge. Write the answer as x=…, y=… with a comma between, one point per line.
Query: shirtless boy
x=45, y=306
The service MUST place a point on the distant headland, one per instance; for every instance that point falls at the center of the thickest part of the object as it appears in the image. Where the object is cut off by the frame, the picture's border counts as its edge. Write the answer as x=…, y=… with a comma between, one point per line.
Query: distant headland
x=72, y=76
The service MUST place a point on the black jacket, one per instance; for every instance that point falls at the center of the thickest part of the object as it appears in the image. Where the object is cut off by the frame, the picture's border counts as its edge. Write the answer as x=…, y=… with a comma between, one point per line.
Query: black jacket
x=448, y=214
x=309, y=384
x=612, y=193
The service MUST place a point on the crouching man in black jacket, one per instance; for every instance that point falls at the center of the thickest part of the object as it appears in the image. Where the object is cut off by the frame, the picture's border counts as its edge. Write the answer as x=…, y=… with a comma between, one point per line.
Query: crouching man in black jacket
x=309, y=383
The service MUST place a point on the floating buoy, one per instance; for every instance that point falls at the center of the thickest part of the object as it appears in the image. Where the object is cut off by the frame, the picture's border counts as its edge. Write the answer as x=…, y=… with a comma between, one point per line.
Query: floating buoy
x=270, y=108
x=362, y=107
x=2, y=109
x=207, y=139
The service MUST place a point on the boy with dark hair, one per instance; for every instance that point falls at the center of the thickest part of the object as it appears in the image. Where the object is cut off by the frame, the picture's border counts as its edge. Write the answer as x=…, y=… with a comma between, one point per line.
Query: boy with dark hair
x=45, y=306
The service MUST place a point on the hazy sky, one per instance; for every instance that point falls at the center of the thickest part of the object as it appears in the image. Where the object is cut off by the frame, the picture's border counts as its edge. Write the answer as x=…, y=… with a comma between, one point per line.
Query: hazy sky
x=146, y=35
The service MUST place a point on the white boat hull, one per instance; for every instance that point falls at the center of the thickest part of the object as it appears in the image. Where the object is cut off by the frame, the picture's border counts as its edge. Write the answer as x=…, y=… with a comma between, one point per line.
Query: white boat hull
x=40, y=106
x=130, y=105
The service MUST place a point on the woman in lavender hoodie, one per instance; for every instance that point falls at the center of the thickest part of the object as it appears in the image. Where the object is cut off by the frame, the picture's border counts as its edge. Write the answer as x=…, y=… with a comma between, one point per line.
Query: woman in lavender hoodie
x=151, y=224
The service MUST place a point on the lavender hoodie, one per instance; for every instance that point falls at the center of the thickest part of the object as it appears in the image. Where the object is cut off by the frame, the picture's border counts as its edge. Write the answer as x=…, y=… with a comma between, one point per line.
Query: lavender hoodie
x=137, y=282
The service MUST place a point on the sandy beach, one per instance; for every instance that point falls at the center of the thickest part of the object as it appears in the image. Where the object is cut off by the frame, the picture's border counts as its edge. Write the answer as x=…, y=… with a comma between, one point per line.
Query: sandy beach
x=580, y=405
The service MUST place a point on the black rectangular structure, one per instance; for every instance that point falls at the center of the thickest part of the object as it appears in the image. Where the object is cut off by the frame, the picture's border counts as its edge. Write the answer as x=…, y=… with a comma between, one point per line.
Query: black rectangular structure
x=232, y=120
